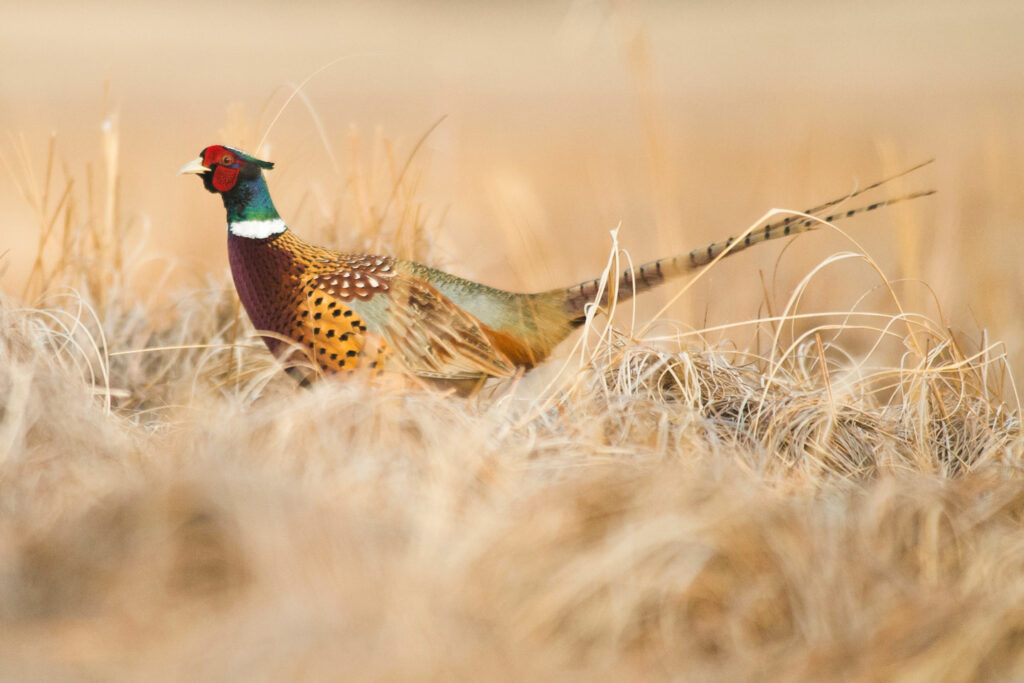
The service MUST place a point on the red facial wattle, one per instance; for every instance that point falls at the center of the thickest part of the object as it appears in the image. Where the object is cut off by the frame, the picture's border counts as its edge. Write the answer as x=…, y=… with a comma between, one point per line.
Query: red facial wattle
x=224, y=178
x=225, y=175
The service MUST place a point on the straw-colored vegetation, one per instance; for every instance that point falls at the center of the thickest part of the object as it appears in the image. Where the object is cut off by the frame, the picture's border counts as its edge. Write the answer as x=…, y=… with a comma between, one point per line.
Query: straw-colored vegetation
x=805, y=463
x=841, y=499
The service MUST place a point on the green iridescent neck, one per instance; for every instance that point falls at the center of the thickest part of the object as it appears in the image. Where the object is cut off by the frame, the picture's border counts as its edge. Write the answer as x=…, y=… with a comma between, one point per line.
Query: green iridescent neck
x=249, y=200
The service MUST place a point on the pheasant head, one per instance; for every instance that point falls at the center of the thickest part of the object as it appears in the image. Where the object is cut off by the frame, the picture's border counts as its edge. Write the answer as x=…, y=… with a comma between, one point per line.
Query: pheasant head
x=238, y=178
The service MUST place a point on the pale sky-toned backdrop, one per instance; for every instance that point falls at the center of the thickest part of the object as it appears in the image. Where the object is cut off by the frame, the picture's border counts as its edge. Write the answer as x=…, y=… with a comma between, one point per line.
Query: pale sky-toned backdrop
x=679, y=122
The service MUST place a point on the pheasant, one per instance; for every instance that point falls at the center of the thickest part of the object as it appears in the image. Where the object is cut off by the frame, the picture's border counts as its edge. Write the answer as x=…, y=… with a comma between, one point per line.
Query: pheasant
x=354, y=310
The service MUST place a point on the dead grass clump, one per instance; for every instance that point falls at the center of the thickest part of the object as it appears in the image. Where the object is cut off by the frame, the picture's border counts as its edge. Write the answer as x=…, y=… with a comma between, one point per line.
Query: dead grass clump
x=629, y=530
x=803, y=423
x=175, y=507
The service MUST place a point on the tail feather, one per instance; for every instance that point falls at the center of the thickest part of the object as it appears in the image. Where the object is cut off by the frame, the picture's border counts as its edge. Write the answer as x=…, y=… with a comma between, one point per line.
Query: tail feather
x=867, y=188
x=649, y=275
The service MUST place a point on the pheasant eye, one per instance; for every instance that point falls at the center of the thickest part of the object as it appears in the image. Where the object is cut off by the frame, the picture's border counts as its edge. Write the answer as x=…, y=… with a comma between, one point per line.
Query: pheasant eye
x=226, y=160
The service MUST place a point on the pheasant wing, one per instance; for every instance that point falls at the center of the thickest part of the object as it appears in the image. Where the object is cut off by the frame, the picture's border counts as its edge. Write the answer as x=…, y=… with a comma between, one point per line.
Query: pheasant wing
x=435, y=338
x=429, y=334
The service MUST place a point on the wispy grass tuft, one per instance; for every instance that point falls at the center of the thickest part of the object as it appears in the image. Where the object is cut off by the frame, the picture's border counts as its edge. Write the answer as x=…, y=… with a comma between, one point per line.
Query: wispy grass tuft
x=843, y=501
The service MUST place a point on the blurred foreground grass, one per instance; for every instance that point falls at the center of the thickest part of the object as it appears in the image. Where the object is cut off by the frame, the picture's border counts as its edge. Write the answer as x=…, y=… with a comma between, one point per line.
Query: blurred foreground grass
x=807, y=468
x=653, y=505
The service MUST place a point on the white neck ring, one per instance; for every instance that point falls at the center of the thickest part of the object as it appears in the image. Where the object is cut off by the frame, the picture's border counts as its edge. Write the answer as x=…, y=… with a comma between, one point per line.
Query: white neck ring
x=257, y=230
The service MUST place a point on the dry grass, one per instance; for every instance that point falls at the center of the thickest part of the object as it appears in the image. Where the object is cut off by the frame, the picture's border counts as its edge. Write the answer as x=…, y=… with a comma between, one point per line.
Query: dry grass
x=654, y=507
x=816, y=475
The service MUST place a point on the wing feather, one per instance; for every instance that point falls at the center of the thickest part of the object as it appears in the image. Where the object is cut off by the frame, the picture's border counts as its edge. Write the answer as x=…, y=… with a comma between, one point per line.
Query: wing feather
x=435, y=338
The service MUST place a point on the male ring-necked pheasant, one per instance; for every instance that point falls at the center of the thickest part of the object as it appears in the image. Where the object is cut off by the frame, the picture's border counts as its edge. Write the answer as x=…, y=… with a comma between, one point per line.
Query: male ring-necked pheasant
x=350, y=310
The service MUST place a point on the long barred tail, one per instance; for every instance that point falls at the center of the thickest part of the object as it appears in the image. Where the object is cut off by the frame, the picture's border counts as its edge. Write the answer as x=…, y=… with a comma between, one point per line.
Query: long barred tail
x=636, y=280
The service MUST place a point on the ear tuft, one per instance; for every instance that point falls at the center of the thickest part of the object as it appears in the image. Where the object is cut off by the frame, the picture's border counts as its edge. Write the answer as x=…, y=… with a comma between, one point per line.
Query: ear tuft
x=250, y=159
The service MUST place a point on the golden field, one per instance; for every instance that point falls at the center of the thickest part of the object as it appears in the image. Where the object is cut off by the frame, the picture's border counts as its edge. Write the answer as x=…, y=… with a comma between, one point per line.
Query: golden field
x=806, y=467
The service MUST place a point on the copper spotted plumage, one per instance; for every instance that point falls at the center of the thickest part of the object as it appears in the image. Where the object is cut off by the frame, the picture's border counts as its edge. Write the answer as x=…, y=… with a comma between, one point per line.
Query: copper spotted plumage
x=353, y=310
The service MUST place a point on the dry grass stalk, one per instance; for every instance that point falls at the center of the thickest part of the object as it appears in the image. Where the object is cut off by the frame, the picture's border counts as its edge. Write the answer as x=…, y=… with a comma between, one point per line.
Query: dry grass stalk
x=663, y=508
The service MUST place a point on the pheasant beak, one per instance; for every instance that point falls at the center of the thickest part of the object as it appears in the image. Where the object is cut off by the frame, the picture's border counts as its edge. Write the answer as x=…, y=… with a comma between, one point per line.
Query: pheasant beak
x=194, y=166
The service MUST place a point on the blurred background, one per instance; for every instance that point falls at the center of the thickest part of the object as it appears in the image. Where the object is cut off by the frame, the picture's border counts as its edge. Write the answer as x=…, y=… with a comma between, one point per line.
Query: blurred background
x=679, y=123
